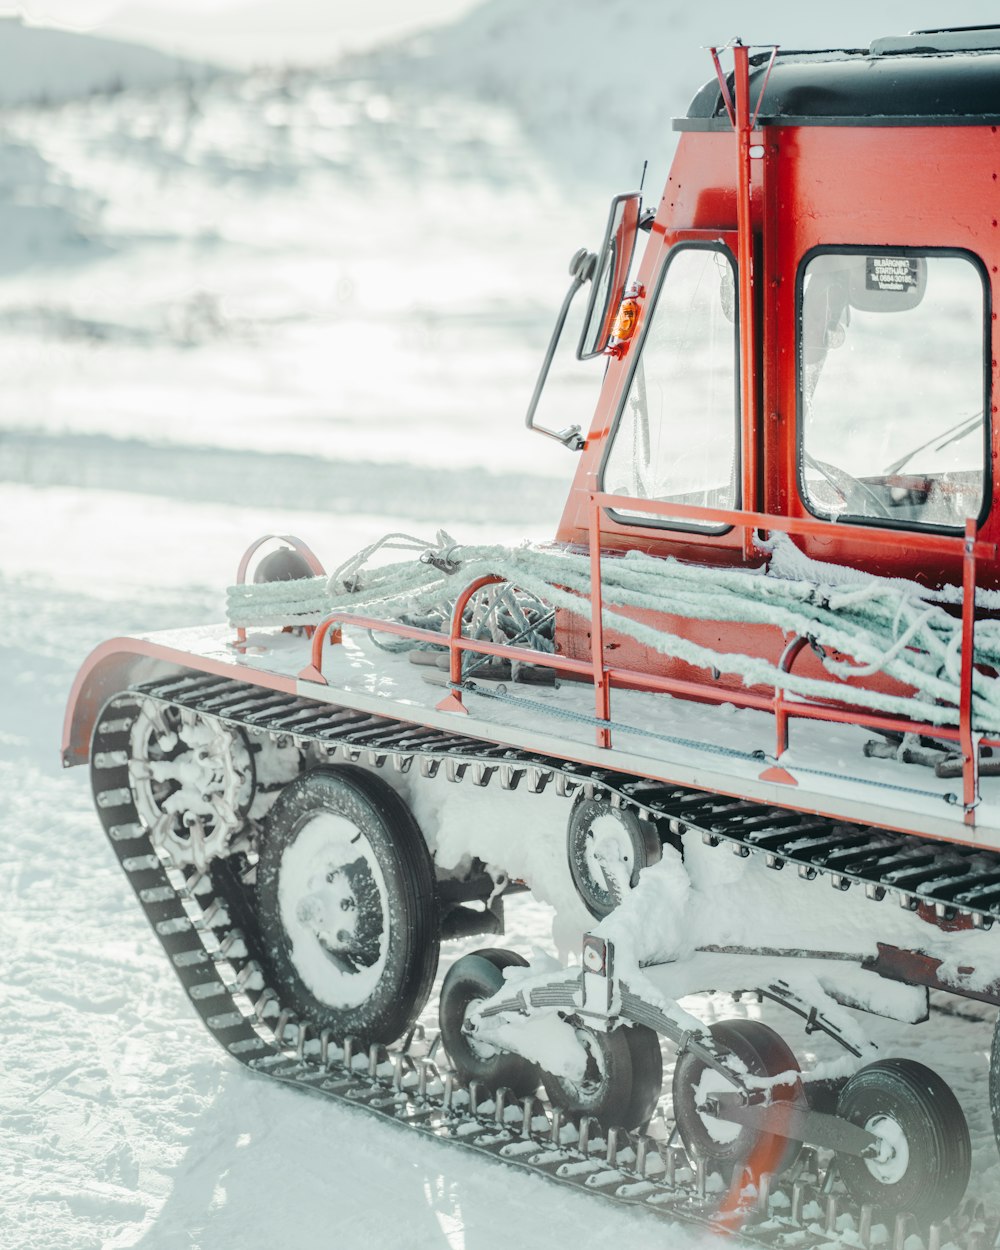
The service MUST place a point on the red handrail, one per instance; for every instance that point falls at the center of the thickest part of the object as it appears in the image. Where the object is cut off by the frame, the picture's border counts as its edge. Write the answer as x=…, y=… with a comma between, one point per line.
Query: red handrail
x=604, y=676
x=804, y=527
x=969, y=548
x=455, y=642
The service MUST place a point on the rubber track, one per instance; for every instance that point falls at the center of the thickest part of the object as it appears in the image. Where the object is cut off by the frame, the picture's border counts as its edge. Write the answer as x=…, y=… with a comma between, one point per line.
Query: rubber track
x=211, y=960
x=950, y=880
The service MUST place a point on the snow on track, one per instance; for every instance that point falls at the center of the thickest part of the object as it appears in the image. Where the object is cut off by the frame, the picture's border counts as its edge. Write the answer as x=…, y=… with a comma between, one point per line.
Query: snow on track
x=127, y=1126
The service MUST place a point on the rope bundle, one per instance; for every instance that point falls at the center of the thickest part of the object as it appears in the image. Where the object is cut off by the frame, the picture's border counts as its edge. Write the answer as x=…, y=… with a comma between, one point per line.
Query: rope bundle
x=885, y=625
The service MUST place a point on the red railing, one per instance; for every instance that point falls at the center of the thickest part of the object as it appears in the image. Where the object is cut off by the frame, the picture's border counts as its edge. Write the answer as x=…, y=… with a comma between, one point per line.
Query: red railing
x=969, y=548
x=297, y=545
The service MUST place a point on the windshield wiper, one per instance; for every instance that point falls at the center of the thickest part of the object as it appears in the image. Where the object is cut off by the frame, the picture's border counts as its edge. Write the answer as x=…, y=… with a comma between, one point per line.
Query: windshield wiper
x=958, y=431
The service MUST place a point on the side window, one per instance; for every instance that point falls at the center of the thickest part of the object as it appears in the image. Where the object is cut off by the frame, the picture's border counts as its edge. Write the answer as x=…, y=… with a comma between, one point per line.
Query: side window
x=892, y=387
x=676, y=435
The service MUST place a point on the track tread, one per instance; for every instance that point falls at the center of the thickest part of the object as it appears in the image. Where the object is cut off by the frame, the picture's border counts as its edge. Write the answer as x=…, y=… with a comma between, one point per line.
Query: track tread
x=206, y=951
x=956, y=880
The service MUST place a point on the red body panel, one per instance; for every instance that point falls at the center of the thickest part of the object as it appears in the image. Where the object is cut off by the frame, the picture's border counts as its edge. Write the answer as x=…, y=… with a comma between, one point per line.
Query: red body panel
x=115, y=664
x=931, y=186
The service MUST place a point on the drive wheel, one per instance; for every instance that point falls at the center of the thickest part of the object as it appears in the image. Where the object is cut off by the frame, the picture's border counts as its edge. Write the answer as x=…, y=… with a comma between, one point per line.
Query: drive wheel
x=726, y=1146
x=469, y=982
x=192, y=780
x=608, y=847
x=346, y=905
x=604, y=1087
x=925, y=1155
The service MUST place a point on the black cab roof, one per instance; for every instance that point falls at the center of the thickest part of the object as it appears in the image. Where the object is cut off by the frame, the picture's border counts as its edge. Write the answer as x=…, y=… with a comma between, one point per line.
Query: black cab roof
x=939, y=77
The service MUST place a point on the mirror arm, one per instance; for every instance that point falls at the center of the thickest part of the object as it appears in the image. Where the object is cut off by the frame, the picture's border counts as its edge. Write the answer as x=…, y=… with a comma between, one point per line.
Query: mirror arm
x=582, y=268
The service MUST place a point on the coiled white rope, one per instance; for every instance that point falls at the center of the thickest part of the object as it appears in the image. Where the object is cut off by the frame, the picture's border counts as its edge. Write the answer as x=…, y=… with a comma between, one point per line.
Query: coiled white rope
x=884, y=625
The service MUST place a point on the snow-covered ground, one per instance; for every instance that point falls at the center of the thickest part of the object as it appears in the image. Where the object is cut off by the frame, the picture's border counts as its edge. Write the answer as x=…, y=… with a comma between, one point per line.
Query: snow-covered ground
x=293, y=302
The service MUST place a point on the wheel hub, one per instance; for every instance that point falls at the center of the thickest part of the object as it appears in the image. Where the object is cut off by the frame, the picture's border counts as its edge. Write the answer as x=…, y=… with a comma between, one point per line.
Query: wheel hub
x=609, y=855
x=892, y=1159
x=713, y=1082
x=481, y=1049
x=333, y=902
x=594, y=1074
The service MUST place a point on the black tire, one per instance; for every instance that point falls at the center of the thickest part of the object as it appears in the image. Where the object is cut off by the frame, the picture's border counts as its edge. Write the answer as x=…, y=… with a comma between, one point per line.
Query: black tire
x=995, y=1082
x=605, y=1092
x=824, y=1094
x=471, y=979
x=647, y=1074
x=764, y=1053
x=502, y=958
x=640, y=843
x=901, y=1095
x=371, y=977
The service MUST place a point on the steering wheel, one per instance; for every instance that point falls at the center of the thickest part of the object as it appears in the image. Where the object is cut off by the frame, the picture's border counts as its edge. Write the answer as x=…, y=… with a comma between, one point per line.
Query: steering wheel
x=846, y=486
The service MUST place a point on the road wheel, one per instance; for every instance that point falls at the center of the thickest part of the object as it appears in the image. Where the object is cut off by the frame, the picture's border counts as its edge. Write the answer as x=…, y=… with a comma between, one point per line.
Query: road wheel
x=925, y=1156
x=469, y=982
x=726, y=1146
x=647, y=1074
x=995, y=1082
x=608, y=847
x=604, y=1087
x=346, y=905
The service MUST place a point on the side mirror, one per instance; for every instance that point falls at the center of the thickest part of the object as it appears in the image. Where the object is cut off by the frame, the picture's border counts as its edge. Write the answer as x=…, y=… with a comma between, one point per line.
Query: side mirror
x=610, y=274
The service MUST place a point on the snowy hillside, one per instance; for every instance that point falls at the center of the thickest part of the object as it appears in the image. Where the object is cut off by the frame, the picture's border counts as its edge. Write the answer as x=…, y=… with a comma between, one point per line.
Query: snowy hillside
x=43, y=66
x=214, y=260
x=595, y=83
x=43, y=216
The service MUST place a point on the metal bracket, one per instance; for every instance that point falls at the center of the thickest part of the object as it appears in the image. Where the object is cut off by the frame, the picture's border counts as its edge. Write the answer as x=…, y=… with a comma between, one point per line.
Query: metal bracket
x=794, y=1120
x=582, y=268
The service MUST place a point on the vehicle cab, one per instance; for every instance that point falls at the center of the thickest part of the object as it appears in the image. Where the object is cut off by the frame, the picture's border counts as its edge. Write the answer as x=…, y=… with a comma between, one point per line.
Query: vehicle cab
x=814, y=334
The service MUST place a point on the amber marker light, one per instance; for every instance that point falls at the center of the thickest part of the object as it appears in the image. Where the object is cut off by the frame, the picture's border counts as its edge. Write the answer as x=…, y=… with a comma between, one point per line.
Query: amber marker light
x=625, y=322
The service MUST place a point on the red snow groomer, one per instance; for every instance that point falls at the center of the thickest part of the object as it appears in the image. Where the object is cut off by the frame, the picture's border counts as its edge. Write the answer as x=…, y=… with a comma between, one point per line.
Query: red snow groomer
x=760, y=659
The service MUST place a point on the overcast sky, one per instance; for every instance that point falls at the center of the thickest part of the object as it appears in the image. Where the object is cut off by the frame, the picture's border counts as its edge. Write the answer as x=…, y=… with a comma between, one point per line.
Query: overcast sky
x=244, y=32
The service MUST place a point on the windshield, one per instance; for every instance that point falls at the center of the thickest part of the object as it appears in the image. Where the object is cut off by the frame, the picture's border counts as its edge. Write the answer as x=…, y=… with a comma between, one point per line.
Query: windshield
x=676, y=438
x=892, y=369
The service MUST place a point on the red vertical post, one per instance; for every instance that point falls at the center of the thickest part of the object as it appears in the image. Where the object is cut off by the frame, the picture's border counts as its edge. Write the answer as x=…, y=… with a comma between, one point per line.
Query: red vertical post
x=970, y=752
x=791, y=653
x=748, y=311
x=453, y=701
x=780, y=724
x=602, y=694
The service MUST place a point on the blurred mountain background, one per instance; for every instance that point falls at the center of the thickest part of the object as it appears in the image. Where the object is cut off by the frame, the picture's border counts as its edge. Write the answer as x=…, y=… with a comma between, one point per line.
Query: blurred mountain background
x=298, y=229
